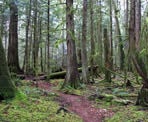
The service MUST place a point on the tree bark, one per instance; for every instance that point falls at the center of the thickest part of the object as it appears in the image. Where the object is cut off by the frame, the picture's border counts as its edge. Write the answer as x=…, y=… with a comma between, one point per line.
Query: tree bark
x=35, y=39
x=134, y=36
x=122, y=56
x=7, y=87
x=111, y=34
x=27, y=57
x=48, y=39
x=92, y=61
x=72, y=74
x=85, y=74
x=13, y=59
x=107, y=55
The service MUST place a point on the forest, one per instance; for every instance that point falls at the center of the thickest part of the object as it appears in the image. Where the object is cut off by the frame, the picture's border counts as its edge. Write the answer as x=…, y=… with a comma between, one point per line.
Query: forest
x=73, y=61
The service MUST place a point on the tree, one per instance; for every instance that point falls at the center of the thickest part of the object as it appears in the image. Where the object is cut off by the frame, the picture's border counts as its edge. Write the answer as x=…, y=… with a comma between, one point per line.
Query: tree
x=13, y=59
x=134, y=42
x=121, y=51
x=92, y=60
x=48, y=38
x=7, y=88
x=35, y=38
x=107, y=56
x=111, y=33
x=85, y=74
x=27, y=57
x=72, y=74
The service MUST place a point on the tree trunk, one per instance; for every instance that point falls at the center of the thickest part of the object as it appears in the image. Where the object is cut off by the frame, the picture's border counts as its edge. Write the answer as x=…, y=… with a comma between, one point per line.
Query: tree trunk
x=134, y=36
x=122, y=56
x=107, y=55
x=41, y=47
x=35, y=39
x=111, y=34
x=72, y=74
x=26, y=59
x=100, y=62
x=7, y=88
x=13, y=59
x=48, y=39
x=85, y=74
x=92, y=40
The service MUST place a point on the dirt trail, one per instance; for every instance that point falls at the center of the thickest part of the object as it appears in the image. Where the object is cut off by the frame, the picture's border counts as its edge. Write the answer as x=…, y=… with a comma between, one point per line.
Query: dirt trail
x=84, y=108
x=79, y=105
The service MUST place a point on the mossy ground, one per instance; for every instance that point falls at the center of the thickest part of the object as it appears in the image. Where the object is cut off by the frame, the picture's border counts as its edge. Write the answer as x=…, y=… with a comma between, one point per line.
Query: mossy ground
x=32, y=105
x=123, y=112
x=117, y=98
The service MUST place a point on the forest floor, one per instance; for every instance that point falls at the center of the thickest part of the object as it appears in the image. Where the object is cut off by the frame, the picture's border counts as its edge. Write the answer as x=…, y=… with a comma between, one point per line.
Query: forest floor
x=78, y=104
x=43, y=101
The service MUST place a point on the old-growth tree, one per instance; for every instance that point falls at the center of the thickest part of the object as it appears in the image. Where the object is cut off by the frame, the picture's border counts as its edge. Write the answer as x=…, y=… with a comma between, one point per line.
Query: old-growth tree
x=121, y=51
x=13, y=59
x=85, y=74
x=7, y=88
x=28, y=21
x=92, y=42
x=48, y=38
x=107, y=56
x=134, y=41
x=72, y=74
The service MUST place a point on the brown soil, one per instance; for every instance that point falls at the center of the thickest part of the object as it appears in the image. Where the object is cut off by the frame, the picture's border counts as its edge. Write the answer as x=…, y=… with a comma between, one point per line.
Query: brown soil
x=79, y=105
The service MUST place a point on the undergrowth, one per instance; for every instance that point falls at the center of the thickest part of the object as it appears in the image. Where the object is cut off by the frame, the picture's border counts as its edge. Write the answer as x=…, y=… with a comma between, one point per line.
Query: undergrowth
x=33, y=105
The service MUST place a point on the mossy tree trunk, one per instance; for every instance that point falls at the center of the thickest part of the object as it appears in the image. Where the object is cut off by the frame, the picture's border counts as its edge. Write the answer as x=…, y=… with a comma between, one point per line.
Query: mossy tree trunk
x=7, y=88
x=72, y=74
x=107, y=56
x=85, y=73
x=13, y=59
x=92, y=42
x=134, y=41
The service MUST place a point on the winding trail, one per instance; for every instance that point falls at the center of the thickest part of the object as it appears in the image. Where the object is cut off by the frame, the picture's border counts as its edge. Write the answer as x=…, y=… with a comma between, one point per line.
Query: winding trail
x=79, y=105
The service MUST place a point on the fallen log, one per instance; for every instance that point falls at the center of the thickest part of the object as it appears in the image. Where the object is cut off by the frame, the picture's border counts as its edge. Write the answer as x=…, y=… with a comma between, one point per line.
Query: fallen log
x=56, y=75
x=62, y=74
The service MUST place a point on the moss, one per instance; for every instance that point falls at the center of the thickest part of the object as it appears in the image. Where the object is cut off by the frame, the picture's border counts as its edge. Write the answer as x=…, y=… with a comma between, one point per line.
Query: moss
x=7, y=87
x=31, y=105
x=128, y=114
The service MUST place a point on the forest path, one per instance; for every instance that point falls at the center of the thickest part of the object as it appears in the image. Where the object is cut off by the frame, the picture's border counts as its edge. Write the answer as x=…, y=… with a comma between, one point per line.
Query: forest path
x=79, y=105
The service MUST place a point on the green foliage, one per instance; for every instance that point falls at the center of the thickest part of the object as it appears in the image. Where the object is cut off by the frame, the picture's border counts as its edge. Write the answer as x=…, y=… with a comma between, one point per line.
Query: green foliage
x=33, y=105
x=120, y=92
x=128, y=114
x=70, y=90
x=143, y=52
x=20, y=96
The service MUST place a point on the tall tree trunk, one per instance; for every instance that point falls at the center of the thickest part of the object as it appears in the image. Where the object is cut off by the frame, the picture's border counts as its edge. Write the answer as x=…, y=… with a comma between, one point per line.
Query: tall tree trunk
x=107, y=56
x=72, y=74
x=13, y=59
x=35, y=39
x=111, y=33
x=85, y=74
x=48, y=39
x=79, y=55
x=26, y=60
x=122, y=56
x=100, y=63
x=41, y=47
x=7, y=88
x=134, y=39
x=92, y=63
